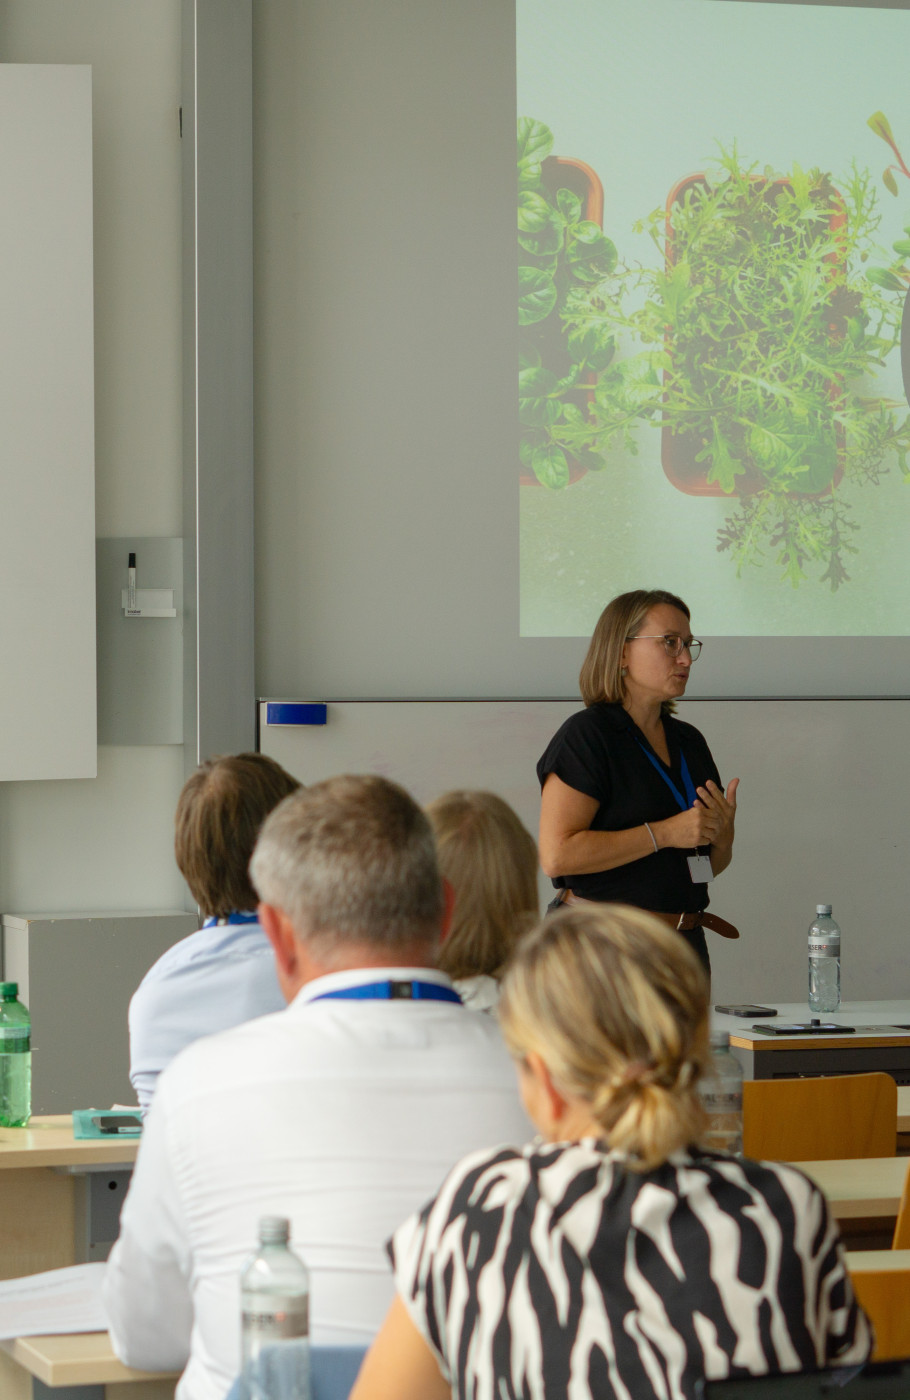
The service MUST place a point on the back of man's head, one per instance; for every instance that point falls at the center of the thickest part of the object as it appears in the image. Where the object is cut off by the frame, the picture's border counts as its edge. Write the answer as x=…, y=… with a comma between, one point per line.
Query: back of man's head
x=352, y=863
x=219, y=814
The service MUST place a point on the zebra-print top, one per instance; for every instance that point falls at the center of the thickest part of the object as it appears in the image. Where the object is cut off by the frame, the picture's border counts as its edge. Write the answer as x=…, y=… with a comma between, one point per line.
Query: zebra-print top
x=555, y=1273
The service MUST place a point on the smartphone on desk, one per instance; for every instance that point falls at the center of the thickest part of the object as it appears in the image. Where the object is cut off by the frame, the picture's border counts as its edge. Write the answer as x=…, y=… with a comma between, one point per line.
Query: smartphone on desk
x=805, y=1028
x=746, y=1008
x=122, y=1124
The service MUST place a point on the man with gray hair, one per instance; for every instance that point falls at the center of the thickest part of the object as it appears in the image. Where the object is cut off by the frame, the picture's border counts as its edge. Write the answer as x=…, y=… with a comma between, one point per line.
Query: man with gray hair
x=343, y=1112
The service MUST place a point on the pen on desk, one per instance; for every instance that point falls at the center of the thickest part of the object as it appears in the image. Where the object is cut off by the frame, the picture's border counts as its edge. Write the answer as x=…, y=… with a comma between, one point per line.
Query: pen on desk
x=131, y=593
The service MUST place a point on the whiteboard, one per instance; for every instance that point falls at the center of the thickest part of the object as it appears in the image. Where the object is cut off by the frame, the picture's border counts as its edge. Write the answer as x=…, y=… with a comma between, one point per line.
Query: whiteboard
x=47, y=446
x=821, y=813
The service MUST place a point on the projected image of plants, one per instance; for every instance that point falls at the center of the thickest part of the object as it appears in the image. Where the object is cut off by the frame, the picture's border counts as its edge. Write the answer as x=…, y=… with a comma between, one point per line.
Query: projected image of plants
x=713, y=228
x=750, y=342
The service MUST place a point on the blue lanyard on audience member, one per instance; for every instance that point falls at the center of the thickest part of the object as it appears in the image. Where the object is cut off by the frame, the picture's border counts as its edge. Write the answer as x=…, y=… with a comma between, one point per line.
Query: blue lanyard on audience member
x=392, y=991
x=686, y=777
x=233, y=918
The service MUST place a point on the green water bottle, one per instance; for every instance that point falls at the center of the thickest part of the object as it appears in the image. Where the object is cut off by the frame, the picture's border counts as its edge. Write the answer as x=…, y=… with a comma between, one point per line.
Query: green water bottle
x=15, y=1058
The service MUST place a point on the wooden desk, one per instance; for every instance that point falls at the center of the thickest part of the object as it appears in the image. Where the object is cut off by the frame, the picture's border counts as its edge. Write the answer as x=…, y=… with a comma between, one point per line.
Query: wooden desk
x=84, y=1360
x=49, y=1142
x=771, y=1057
x=864, y=1195
x=866, y=1188
x=45, y=1178
x=47, y=1183
x=877, y=1260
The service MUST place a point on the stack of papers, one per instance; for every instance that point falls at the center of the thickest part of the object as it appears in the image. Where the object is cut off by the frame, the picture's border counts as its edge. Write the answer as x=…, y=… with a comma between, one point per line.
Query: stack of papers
x=61, y=1300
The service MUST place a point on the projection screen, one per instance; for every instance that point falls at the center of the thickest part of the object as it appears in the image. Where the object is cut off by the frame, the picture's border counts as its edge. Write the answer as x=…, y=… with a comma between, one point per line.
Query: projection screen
x=714, y=255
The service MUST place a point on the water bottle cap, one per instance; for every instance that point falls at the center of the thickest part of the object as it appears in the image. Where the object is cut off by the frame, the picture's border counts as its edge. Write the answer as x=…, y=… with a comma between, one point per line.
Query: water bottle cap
x=9, y=990
x=720, y=1040
x=274, y=1229
x=823, y=909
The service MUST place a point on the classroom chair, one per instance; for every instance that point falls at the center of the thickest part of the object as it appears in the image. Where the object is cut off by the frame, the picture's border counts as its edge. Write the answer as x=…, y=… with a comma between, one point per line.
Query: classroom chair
x=884, y=1295
x=902, y=1225
x=814, y=1120
x=333, y=1371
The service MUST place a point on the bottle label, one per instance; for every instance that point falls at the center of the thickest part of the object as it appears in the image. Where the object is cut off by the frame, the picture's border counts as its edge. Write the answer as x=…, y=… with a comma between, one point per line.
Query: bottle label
x=285, y=1318
x=720, y=1102
x=15, y=1040
x=830, y=949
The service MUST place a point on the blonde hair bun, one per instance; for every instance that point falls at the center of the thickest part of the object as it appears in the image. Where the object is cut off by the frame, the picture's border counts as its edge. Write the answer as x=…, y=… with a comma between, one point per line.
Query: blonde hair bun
x=616, y=1005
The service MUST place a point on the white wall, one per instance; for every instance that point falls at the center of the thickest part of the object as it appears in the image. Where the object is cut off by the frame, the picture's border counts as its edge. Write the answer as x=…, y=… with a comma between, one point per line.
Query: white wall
x=106, y=843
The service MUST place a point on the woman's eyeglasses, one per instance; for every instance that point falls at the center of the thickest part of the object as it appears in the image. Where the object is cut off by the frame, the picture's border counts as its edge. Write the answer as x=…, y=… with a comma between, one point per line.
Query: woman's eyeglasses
x=673, y=645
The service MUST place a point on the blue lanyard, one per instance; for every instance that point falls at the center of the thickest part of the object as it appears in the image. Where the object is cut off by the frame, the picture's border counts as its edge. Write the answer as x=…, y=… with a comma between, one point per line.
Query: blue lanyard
x=392, y=991
x=686, y=777
x=234, y=918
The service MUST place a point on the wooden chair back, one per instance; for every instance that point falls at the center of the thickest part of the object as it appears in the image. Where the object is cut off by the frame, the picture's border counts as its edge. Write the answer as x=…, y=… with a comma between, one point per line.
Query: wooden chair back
x=884, y=1295
x=814, y=1120
x=902, y=1226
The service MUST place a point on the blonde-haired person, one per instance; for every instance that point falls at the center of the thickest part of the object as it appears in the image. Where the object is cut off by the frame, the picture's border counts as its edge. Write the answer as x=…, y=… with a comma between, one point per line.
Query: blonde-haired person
x=490, y=860
x=613, y=1257
x=632, y=807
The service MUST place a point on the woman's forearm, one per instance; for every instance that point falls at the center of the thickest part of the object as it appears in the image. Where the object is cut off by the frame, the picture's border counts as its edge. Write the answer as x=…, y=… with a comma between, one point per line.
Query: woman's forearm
x=587, y=852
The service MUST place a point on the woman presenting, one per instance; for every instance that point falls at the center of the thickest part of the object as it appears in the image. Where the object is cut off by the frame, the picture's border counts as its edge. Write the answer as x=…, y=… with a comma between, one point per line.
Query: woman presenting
x=632, y=807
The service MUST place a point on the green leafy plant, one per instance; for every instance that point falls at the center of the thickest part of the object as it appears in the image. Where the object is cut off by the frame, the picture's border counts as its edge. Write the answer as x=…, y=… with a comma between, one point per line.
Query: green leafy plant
x=895, y=277
x=560, y=250
x=758, y=329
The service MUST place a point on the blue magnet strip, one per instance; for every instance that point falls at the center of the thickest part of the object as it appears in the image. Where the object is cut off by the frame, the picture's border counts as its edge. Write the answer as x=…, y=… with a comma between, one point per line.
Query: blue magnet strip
x=277, y=712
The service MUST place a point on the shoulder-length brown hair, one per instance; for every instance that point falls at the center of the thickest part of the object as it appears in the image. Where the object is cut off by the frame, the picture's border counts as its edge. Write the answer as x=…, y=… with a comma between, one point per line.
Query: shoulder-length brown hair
x=221, y=808
x=600, y=678
x=490, y=860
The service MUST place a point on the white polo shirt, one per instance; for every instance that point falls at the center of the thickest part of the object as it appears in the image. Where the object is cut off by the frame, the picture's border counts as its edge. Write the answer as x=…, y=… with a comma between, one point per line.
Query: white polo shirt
x=344, y=1115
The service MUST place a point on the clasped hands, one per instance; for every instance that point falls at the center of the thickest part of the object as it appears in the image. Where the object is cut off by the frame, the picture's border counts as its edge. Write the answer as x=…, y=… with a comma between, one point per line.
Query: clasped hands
x=708, y=822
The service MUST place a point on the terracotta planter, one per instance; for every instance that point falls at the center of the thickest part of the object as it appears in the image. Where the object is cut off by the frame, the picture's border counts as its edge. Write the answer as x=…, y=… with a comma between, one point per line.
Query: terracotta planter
x=679, y=450
x=562, y=173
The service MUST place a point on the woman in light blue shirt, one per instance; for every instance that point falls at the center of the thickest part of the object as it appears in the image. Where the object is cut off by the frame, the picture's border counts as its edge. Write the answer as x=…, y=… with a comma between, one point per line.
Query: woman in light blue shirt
x=223, y=974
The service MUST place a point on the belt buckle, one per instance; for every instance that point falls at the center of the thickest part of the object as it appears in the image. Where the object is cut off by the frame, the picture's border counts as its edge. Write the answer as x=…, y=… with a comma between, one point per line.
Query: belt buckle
x=687, y=922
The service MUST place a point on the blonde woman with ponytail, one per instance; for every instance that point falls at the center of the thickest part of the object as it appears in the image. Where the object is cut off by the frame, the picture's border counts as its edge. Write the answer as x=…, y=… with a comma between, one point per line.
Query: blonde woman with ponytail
x=613, y=1257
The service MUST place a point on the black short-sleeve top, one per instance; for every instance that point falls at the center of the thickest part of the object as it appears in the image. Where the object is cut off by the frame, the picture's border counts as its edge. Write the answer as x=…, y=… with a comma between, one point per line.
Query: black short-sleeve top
x=601, y=752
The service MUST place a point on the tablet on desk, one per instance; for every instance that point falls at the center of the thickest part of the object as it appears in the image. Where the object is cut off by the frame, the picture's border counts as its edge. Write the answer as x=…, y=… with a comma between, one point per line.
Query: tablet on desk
x=746, y=1008
x=805, y=1028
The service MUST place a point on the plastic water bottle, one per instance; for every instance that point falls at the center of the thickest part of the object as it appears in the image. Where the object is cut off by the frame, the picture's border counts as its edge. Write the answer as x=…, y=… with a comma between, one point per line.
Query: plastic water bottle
x=15, y=1058
x=275, y=1318
x=824, y=961
x=721, y=1091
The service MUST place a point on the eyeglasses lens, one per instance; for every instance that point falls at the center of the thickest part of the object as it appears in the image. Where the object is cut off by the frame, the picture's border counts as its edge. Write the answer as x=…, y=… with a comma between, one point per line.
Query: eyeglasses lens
x=675, y=646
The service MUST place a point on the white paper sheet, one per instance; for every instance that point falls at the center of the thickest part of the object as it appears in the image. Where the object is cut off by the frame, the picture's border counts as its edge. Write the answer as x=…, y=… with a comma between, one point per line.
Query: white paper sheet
x=61, y=1300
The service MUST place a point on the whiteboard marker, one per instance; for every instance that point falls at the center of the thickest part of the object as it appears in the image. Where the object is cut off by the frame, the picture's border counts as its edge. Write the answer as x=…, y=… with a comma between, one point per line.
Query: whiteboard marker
x=131, y=593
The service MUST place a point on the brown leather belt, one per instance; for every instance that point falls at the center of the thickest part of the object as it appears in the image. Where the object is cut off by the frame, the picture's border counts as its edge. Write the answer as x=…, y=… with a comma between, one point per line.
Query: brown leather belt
x=681, y=922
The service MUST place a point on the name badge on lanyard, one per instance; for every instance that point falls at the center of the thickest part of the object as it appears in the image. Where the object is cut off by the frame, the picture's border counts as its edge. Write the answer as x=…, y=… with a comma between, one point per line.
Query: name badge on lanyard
x=700, y=869
x=699, y=864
